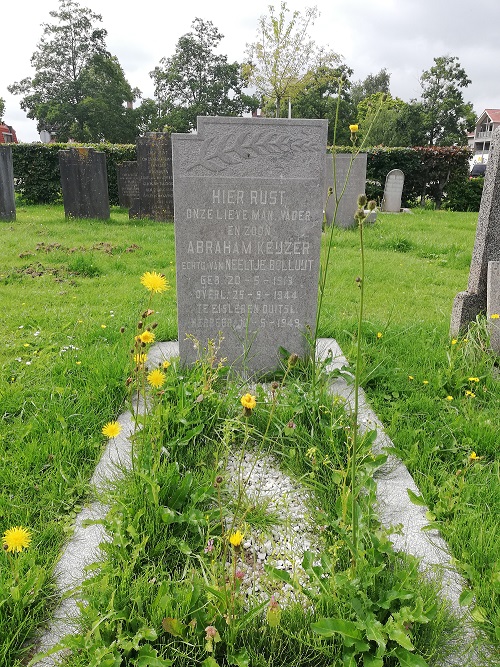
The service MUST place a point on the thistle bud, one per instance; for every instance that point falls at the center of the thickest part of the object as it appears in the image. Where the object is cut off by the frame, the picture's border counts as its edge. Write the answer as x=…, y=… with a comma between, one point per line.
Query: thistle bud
x=275, y=385
x=139, y=325
x=362, y=201
x=122, y=329
x=292, y=360
x=154, y=325
x=372, y=205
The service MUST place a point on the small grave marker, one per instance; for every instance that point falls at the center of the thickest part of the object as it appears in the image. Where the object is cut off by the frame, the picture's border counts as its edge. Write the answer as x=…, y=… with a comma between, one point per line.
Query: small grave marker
x=84, y=182
x=128, y=183
x=393, y=191
x=355, y=186
x=248, y=215
x=467, y=305
x=154, y=168
x=7, y=198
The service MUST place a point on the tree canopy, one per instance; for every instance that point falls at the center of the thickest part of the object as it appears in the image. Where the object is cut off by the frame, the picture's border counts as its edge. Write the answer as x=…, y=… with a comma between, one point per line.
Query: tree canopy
x=197, y=81
x=79, y=89
x=281, y=55
x=2, y=108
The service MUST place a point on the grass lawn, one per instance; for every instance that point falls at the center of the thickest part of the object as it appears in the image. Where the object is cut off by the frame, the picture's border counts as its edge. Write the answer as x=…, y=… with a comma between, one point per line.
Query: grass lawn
x=68, y=288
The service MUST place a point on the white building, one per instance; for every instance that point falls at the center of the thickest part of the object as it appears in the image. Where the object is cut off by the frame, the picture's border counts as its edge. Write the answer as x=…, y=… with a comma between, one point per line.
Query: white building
x=480, y=140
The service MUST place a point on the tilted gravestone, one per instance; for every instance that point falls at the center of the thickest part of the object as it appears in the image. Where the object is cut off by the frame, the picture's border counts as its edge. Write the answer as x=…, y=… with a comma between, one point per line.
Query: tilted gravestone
x=467, y=305
x=154, y=168
x=355, y=186
x=393, y=191
x=128, y=183
x=84, y=182
x=7, y=198
x=248, y=214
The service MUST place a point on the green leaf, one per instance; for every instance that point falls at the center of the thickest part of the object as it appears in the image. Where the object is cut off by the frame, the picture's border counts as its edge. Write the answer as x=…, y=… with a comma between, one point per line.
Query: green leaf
x=241, y=659
x=328, y=627
x=466, y=598
x=416, y=500
x=397, y=633
x=148, y=657
x=479, y=614
x=210, y=662
x=167, y=515
x=372, y=661
x=407, y=659
x=173, y=626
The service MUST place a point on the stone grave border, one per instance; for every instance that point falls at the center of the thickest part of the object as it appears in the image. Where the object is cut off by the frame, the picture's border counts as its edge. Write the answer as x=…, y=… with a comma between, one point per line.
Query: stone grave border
x=393, y=508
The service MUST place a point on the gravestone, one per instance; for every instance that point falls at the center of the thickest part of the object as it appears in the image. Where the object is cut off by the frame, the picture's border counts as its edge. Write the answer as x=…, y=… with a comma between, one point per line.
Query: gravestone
x=7, y=198
x=84, y=183
x=493, y=305
x=355, y=186
x=248, y=214
x=467, y=305
x=128, y=184
x=154, y=168
x=393, y=191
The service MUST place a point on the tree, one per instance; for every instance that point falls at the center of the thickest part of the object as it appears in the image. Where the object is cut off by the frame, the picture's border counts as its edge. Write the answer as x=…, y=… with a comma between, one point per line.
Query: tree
x=196, y=81
x=317, y=94
x=373, y=84
x=2, y=108
x=72, y=65
x=390, y=121
x=282, y=54
x=446, y=116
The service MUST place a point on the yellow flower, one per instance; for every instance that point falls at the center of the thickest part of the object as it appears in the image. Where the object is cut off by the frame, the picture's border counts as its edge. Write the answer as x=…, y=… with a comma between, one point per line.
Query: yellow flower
x=154, y=282
x=425, y=382
x=494, y=316
x=16, y=539
x=449, y=398
x=166, y=364
x=156, y=378
x=474, y=457
x=353, y=128
x=248, y=401
x=236, y=538
x=147, y=337
x=103, y=326
x=473, y=379
x=410, y=377
x=470, y=394
x=111, y=429
x=379, y=334
x=140, y=358
x=454, y=341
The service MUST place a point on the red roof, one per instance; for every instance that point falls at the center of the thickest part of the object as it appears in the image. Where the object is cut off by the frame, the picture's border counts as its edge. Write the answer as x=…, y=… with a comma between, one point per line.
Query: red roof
x=494, y=114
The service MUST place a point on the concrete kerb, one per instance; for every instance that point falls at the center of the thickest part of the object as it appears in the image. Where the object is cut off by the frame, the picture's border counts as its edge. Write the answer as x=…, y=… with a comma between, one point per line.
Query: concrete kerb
x=394, y=509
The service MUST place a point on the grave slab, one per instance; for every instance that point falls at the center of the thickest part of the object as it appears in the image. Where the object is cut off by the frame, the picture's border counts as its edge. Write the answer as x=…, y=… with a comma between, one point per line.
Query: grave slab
x=248, y=215
x=393, y=191
x=84, y=182
x=154, y=168
x=354, y=187
x=467, y=305
x=128, y=183
x=7, y=198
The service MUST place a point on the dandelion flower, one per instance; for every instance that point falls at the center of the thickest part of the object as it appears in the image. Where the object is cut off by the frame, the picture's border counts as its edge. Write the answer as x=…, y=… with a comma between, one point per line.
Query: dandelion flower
x=248, y=401
x=425, y=382
x=103, y=326
x=236, y=538
x=474, y=457
x=166, y=364
x=16, y=539
x=470, y=394
x=154, y=282
x=449, y=398
x=156, y=378
x=494, y=316
x=111, y=429
x=379, y=334
x=454, y=341
x=410, y=377
x=473, y=379
x=140, y=358
x=353, y=128
x=147, y=337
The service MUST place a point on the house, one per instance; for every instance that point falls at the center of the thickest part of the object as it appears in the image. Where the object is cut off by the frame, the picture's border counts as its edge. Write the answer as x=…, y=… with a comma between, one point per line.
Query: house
x=480, y=143
x=7, y=134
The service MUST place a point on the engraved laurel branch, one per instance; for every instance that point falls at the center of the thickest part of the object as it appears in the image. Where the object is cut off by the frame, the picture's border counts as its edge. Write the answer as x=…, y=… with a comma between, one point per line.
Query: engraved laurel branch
x=219, y=154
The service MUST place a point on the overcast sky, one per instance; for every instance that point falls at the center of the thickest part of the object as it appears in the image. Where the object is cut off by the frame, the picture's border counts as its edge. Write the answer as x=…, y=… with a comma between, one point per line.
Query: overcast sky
x=404, y=36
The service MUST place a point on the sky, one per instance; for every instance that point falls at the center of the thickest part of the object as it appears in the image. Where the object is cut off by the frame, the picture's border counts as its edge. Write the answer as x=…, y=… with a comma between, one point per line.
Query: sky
x=404, y=36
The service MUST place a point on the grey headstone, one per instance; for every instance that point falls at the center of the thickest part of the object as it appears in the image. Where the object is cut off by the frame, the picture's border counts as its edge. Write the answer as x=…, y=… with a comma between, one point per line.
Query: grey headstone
x=154, y=165
x=493, y=305
x=393, y=191
x=128, y=183
x=7, y=198
x=467, y=305
x=248, y=216
x=84, y=183
x=355, y=186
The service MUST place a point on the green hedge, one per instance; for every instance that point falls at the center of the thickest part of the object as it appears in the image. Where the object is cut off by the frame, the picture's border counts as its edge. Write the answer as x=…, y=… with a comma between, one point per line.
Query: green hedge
x=36, y=169
x=464, y=194
x=428, y=170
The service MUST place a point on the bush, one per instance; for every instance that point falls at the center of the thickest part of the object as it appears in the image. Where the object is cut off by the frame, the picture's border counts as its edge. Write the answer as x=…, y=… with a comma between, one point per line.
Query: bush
x=36, y=169
x=464, y=194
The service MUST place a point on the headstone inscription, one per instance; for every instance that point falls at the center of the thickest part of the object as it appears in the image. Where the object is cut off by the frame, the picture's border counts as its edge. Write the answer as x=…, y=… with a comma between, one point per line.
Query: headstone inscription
x=493, y=305
x=248, y=214
x=355, y=186
x=393, y=191
x=7, y=198
x=128, y=184
x=84, y=182
x=154, y=168
x=467, y=305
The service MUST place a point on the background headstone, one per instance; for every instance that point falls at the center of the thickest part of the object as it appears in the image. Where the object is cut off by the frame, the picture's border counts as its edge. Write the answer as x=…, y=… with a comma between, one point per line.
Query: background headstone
x=84, y=183
x=154, y=168
x=493, y=305
x=128, y=183
x=248, y=216
x=393, y=191
x=7, y=198
x=467, y=305
x=355, y=187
